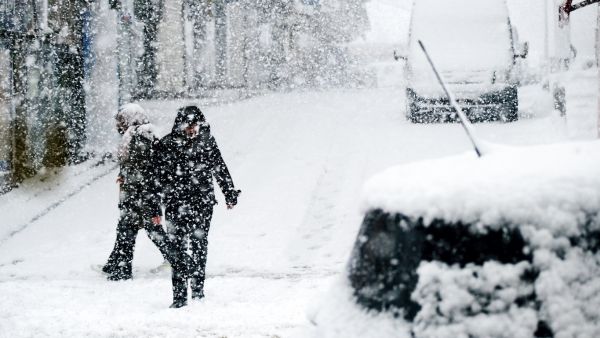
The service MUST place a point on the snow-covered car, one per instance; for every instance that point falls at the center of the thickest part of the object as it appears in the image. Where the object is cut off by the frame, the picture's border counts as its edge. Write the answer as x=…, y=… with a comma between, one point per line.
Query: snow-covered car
x=500, y=246
x=474, y=47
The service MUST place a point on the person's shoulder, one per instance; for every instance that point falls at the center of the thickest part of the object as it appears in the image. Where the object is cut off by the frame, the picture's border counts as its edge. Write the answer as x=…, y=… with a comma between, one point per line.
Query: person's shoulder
x=167, y=139
x=212, y=142
x=207, y=137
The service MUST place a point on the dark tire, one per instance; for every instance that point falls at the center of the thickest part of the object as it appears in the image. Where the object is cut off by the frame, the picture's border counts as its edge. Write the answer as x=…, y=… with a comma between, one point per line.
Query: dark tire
x=411, y=107
x=412, y=114
x=510, y=105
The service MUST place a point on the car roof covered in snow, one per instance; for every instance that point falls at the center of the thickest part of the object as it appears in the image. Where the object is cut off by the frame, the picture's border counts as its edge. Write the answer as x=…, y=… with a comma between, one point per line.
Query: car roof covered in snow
x=554, y=187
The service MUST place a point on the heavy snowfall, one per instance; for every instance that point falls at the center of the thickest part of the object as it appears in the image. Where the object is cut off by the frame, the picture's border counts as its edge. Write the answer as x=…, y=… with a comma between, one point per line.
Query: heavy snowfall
x=300, y=143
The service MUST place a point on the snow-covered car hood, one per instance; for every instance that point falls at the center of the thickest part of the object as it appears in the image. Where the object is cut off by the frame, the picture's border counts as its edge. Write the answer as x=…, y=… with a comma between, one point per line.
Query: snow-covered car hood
x=550, y=187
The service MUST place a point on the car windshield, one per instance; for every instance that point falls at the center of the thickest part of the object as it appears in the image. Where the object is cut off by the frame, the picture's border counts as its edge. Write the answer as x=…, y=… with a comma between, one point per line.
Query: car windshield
x=463, y=35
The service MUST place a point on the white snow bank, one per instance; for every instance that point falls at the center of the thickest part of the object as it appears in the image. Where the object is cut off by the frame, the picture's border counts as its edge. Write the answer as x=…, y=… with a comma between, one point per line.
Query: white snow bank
x=339, y=316
x=554, y=188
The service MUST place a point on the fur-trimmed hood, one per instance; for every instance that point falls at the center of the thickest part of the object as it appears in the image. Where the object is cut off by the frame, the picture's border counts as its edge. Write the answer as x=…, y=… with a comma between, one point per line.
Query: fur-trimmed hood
x=132, y=114
x=137, y=122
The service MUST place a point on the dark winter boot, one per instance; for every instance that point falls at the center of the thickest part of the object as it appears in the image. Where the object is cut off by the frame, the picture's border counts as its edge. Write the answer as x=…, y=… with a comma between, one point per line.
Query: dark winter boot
x=197, y=286
x=197, y=295
x=109, y=269
x=178, y=303
x=179, y=291
x=118, y=277
x=122, y=272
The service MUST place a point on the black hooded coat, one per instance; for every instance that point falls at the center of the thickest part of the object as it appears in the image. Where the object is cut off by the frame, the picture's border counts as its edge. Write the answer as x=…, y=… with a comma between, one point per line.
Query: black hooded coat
x=186, y=166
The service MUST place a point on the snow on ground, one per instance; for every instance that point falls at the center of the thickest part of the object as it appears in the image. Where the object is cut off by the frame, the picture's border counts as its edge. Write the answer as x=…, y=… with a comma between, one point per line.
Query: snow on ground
x=46, y=192
x=300, y=160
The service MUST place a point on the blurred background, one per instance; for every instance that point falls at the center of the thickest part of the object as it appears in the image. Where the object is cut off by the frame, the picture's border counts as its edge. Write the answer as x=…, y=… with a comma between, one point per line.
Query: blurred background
x=66, y=65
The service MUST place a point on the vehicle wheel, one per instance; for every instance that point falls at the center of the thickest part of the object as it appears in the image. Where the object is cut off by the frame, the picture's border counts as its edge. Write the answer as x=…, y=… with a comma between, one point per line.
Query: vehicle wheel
x=414, y=118
x=412, y=114
x=412, y=111
x=510, y=106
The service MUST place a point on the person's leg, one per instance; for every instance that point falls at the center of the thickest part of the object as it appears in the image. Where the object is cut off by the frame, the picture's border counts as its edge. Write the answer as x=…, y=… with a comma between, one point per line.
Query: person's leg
x=199, y=246
x=126, y=236
x=177, y=252
x=159, y=237
x=114, y=257
x=179, y=276
x=174, y=252
x=179, y=290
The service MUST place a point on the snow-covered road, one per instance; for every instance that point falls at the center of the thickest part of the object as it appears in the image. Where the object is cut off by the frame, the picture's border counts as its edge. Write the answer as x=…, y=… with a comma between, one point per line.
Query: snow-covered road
x=300, y=160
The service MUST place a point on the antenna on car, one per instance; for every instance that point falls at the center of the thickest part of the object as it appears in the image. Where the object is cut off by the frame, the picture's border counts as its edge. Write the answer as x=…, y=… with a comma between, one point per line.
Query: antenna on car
x=461, y=115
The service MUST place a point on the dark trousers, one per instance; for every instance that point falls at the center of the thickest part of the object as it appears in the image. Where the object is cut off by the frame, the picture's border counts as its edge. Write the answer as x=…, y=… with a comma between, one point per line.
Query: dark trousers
x=121, y=257
x=189, y=228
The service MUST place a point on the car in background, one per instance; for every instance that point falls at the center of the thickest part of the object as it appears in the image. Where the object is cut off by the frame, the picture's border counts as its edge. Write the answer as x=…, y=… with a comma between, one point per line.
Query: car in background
x=475, y=48
x=506, y=245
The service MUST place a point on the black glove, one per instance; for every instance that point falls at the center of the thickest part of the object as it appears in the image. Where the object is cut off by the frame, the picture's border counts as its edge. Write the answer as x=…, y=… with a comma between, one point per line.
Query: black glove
x=231, y=197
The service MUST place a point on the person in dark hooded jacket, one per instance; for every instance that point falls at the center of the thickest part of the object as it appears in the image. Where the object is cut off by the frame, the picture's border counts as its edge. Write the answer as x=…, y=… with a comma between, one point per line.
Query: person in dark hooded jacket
x=139, y=202
x=188, y=158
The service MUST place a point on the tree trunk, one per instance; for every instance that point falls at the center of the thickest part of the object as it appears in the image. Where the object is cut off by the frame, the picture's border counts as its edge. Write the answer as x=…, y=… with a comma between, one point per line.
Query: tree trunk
x=150, y=13
x=220, y=41
x=199, y=13
x=22, y=166
x=124, y=69
x=69, y=17
x=598, y=65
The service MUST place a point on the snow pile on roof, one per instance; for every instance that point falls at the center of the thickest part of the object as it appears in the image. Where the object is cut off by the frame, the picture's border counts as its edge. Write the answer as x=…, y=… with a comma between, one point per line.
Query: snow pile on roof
x=553, y=188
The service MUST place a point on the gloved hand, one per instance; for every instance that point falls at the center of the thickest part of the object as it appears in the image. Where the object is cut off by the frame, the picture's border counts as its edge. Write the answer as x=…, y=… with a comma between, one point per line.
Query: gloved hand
x=231, y=197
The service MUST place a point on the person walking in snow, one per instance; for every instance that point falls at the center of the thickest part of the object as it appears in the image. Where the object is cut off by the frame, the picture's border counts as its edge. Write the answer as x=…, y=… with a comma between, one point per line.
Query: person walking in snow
x=188, y=158
x=139, y=202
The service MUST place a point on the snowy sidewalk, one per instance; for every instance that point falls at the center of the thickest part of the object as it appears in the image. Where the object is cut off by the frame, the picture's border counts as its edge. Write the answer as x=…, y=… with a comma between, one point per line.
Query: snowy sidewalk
x=36, y=197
